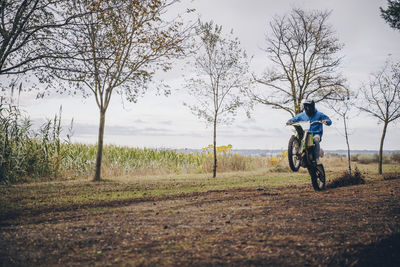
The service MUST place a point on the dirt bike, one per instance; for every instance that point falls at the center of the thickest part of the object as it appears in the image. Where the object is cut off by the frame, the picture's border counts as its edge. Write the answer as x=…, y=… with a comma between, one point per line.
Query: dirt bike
x=301, y=153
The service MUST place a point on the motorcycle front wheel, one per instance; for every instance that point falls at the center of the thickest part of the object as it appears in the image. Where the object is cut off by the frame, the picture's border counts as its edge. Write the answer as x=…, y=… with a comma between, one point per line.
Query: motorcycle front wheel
x=293, y=153
x=317, y=174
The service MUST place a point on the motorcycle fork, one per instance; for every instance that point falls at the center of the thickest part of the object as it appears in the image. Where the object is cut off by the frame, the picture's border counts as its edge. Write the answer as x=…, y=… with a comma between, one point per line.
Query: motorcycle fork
x=309, y=147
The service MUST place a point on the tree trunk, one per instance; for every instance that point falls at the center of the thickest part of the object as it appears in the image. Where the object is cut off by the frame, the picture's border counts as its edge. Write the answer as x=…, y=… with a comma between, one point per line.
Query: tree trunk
x=97, y=176
x=347, y=142
x=215, y=147
x=381, y=147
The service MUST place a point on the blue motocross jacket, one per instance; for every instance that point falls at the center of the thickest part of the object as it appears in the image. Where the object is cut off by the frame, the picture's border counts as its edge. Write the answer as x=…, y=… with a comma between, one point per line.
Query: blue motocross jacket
x=315, y=128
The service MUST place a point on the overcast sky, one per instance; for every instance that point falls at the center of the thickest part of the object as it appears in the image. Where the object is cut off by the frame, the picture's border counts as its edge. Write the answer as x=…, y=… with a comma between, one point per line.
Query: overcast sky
x=163, y=122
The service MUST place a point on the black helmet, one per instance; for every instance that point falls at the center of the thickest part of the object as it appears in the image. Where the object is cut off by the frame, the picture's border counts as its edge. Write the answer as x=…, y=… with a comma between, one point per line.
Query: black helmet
x=309, y=107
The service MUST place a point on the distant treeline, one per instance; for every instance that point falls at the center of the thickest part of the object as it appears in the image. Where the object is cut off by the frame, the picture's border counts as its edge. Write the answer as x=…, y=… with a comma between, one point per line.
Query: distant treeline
x=275, y=152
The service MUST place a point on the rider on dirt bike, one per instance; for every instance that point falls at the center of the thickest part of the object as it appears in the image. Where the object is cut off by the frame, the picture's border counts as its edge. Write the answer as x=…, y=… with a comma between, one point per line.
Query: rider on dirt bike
x=312, y=114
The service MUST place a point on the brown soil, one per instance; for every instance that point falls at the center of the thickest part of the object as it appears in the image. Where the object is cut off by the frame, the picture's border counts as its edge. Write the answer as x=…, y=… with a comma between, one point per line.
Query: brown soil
x=346, y=226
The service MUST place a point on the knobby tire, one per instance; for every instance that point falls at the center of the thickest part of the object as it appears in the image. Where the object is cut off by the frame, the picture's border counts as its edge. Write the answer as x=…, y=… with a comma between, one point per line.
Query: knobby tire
x=293, y=166
x=317, y=174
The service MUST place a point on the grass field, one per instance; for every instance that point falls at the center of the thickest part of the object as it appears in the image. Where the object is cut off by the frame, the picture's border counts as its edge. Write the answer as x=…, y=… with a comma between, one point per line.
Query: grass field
x=74, y=193
x=251, y=218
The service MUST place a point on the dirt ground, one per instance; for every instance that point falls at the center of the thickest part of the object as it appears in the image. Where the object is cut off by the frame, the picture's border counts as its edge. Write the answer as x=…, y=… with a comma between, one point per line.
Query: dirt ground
x=346, y=226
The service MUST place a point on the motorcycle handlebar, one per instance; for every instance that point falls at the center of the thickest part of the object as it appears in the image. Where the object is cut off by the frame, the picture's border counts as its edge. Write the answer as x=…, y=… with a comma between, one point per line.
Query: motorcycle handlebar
x=291, y=123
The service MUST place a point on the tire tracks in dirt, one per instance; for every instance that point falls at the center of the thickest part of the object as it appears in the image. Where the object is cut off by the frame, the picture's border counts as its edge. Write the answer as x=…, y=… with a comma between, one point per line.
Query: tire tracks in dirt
x=295, y=226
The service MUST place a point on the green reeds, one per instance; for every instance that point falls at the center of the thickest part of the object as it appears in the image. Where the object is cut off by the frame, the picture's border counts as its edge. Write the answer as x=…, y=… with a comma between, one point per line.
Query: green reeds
x=27, y=154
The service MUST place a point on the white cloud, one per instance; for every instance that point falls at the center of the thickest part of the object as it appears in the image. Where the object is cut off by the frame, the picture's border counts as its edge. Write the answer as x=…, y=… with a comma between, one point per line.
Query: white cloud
x=157, y=121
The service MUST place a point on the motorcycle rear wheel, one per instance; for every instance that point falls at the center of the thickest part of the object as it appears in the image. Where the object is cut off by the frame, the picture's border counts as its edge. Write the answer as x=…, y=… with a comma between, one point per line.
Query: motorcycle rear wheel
x=293, y=150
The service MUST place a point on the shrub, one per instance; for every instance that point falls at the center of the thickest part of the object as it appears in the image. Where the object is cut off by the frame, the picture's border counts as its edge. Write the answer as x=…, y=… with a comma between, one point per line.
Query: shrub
x=372, y=158
x=395, y=157
x=280, y=168
x=354, y=157
x=367, y=158
x=273, y=161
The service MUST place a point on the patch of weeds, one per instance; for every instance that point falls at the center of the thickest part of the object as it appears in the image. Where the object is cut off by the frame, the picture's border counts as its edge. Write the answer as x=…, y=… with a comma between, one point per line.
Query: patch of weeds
x=391, y=176
x=346, y=179
x=280, y=168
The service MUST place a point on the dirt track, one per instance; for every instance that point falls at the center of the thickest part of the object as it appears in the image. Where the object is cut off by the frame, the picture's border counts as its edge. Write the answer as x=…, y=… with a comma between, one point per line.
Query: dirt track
x=350, y=226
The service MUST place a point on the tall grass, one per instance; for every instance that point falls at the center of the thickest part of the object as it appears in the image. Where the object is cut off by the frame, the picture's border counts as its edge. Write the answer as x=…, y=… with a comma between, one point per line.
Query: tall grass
x=26, y=153
x=78, y=160
x=119, y=161
x=122, y=161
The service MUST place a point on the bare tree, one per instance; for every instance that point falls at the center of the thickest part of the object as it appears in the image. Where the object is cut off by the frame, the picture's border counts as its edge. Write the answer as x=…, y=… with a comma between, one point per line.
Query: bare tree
x=343, y=108
x=117, y=48
x=222, y=69
x=27, y=30
x=382, y=99
x=303, y=49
